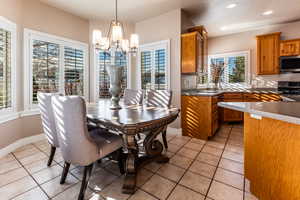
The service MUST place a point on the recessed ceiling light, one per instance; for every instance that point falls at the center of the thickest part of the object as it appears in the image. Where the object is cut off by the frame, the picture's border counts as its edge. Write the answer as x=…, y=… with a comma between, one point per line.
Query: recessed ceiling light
x=269, y=12
x=231, y=5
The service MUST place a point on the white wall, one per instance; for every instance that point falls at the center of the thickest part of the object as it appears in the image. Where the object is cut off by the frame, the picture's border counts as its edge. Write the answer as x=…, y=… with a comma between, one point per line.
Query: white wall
x=163, y=27
x=247, y=41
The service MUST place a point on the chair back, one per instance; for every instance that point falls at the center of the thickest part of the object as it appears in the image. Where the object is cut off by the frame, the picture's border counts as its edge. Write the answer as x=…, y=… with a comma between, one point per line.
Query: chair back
x=76, y=145
x=47, y=116
x=133, y=97
x=159, y=98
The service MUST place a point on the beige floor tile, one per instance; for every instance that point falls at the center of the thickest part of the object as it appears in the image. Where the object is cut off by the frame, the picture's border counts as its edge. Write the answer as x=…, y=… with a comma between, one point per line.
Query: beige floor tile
x=195, y=182
x=249, y=196
x=233, y=156
x=58, y=157
x=101, y=179
x=247, y=185
x=158, y=186
x=33, y=194
x=47, y=174
x=178, y=141
x=38, y=165
x=173, y=147
x=197, y=141
x=41, y=142
x=232, y=165
x=78, y=171
x=171, y=172
x=12, y=176
x=16, y=188
x=219, y=139
x=203, y=169
x=141, y=195
x=73, y=192
x=181, y=161
x=113, y=168
x=235, y=142
x=53, y=187
x=234, y=148
x=194, y=146
x=220, y=191
x=189, y=153
x=212, y=150
x=215, y=144
x=143, y=176
x=45, y=148
x=183, y=193
x=230, y=178
x=7, y=158
x=25, y=147
x=208, y=158
x=33, y=158
x=8, y=166
x=30, y=150
x=114, y=190
x=153, y=166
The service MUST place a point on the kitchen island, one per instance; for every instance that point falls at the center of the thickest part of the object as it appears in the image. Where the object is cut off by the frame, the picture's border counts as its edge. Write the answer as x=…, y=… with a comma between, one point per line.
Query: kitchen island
x=272, y=148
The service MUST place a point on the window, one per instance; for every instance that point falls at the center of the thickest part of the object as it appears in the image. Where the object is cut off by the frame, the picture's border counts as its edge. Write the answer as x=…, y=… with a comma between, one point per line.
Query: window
x=103, y=61
x=154, y=65
x=236, y=66
x=7, y=66
x=55, y=65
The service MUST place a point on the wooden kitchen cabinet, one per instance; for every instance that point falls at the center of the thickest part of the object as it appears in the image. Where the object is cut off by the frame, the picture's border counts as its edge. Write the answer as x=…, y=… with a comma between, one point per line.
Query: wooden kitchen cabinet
x=190, y=47
x=228, y=114
x=290, y=47
x=268, y=54
x=200, y=117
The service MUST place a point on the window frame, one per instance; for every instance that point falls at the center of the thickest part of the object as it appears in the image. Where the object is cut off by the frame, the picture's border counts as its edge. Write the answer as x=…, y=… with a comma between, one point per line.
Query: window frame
x=96, y=73
x=29, y=37
x=246, y=53
x=11, y=113
x=152, y=47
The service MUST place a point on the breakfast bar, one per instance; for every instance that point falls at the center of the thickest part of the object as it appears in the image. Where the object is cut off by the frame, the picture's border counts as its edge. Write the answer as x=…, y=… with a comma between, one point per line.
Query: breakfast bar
x=272, y=148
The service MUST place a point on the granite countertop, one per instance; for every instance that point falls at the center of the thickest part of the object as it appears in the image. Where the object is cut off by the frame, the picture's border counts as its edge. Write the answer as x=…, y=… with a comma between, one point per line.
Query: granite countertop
x=283, y=111
x=210, y=92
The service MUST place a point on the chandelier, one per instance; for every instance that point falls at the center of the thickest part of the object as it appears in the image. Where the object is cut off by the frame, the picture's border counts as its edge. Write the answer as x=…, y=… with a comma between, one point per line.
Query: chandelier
x=114, y=40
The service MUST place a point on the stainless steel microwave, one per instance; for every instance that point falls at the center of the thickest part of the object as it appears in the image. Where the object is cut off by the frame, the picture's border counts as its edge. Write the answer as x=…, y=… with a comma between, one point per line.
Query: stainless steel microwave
x=290, y=64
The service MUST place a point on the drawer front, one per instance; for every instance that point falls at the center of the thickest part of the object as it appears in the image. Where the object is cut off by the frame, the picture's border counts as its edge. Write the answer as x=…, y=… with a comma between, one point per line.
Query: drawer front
x=233, y=95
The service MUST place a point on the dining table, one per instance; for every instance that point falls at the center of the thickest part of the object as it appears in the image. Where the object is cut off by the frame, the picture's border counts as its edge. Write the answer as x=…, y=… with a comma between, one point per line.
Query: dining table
x=130, y=122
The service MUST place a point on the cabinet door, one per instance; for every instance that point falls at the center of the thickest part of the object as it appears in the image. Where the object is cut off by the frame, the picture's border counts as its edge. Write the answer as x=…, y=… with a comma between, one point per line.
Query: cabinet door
x=189, y=53
x=290, y=48
x=268, y=54
x=232, y=115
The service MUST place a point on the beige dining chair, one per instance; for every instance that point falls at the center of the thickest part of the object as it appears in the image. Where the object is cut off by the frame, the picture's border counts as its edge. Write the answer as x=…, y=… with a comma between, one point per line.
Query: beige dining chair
x=133, y=97
x=78, y=145
x=48, y=122
x=159, y=98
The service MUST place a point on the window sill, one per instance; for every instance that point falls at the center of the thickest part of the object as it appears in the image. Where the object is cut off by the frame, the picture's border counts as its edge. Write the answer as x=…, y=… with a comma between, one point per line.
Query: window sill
x=9, y=117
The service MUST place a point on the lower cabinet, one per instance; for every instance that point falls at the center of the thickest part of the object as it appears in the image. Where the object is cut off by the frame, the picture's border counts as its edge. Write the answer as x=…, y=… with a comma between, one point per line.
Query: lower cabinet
x=200, y=117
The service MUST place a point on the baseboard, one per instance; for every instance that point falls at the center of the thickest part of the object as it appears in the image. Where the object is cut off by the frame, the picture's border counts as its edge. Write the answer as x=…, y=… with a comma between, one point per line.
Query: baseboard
x=19, y=143
x=176, y=130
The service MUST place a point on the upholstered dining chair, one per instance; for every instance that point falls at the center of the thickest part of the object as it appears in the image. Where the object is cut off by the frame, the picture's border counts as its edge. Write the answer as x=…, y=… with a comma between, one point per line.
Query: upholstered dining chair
x=133, y=97
x=48, y=122
x=78, y=145
x=163, y=99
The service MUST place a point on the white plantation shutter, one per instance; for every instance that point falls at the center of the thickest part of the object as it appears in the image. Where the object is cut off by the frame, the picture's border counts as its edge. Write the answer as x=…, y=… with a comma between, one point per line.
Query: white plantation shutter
x=74, y=71
x=45, y=68
x=5, y=70
x=154, y=66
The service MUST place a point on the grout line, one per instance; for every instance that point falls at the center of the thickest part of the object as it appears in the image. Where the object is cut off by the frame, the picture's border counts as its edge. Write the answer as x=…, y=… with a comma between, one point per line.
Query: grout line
x=32, y=178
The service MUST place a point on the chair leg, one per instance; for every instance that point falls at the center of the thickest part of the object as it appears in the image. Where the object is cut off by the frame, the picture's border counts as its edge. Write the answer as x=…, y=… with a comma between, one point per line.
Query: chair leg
x=121, y=159
x=85, y=180
x=65, y=173
x=164, y=137
x=52, y=153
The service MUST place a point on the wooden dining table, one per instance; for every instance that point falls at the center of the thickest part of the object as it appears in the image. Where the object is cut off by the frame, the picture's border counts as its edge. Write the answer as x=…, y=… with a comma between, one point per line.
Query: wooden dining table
x=130, y=122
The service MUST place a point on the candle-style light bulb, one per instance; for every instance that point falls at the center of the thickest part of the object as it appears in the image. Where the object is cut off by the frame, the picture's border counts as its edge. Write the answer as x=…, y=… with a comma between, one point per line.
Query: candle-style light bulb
x=97, y=36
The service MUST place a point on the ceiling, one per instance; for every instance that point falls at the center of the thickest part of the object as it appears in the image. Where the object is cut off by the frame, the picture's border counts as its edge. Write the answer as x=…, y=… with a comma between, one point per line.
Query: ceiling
x=218, y=19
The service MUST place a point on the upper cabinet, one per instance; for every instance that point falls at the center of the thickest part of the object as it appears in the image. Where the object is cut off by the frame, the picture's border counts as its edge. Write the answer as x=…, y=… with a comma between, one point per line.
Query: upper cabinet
x=189, y=52
x=290, y=47
x=193, y=50
x=268, y=54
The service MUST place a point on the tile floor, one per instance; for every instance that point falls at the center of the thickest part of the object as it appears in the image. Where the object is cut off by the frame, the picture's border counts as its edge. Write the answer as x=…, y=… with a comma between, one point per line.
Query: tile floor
x=197, y=170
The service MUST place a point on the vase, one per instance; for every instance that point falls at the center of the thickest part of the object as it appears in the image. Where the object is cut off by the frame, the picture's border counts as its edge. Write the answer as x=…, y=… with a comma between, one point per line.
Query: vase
x=115, y=76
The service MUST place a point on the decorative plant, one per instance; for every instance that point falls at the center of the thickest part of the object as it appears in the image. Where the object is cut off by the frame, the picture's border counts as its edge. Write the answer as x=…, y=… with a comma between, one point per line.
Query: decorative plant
x=217, y=69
